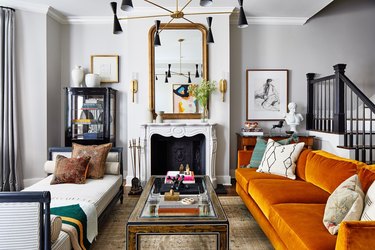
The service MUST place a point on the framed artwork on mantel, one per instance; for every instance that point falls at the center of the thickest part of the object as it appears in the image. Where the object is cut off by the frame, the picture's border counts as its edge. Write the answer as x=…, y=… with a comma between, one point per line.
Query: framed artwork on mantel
x=266, y=94
x=106, y=66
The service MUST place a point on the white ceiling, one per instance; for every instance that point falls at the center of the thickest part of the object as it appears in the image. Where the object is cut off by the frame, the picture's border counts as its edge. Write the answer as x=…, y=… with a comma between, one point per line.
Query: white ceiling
x=72, y=9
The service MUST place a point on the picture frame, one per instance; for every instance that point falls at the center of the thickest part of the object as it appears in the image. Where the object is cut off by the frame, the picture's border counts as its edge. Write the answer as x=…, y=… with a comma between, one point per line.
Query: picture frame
x=266, y=94
x=183, y=102
x=107, y=66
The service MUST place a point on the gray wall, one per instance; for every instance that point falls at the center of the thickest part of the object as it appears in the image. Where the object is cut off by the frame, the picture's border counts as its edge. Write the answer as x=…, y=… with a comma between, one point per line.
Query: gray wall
x=342, y=33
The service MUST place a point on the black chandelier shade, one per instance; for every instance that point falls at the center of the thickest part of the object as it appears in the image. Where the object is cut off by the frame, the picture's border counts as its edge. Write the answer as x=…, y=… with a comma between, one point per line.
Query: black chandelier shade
x=166, y=77
x=189, y=79
x=242, y=21
x=205, y=3
x=116, y=24
x=127, y=5
x=157, y=37
x=169, y=70
x=210, y=37
x=196, y=71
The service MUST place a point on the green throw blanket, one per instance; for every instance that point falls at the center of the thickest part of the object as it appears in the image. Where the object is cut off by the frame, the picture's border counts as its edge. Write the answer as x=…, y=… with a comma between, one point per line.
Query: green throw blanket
x=73, y=215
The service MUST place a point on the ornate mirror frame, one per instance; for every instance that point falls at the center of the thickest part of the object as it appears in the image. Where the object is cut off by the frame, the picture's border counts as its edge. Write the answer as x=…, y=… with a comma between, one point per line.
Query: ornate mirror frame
x=151, y=47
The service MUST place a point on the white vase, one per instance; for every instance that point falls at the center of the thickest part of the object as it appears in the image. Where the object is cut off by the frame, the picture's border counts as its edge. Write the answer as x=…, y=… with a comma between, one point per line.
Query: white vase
x=150, y=116
x=77, y=76
x=92, y=80
x=159, y=117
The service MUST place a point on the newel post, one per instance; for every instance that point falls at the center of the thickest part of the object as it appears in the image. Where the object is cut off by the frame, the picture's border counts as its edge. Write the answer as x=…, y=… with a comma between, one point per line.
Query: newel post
x=310, y=102
x=339, y=100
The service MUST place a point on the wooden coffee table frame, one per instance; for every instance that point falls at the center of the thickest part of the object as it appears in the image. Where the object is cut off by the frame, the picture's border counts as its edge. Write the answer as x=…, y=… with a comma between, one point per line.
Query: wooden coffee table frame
x=137, y=226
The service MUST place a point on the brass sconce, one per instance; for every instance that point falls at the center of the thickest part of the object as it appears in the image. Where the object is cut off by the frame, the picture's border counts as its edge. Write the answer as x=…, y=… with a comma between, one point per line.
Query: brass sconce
x=223, y=87
x=133, y=88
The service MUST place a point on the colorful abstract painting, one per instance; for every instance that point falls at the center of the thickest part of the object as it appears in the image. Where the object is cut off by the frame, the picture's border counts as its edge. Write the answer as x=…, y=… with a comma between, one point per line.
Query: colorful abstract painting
x=183, y=102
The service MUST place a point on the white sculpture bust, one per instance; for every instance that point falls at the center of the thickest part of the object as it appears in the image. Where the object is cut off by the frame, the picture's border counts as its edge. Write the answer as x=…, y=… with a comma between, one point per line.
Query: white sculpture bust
x=292, y=118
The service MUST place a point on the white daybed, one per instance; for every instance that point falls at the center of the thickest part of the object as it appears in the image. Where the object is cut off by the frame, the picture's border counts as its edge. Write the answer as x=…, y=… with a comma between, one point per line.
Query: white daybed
x=102, y=193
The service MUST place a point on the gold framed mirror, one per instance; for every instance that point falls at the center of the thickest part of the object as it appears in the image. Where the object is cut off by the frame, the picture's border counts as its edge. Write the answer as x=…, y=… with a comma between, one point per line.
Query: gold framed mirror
x=182, y=56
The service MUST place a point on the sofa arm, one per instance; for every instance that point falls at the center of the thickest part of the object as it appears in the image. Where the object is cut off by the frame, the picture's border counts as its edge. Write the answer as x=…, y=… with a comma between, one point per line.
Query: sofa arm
x=356, y=235
x=243, y=157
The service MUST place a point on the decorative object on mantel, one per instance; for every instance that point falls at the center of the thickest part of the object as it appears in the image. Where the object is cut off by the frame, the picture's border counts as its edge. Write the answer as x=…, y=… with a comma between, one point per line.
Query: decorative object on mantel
x=279, y=125
x=135, y=152
x=202, y=93
x=159, y=117
x=150, y=116
x=292, y=118
x=176, y=14
x=92, y=80
x=77, y=76
x=106, y=66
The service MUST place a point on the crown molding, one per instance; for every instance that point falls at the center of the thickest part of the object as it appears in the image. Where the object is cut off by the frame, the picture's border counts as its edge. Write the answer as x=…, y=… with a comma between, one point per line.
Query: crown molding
x=57, y=16
x=272, y=20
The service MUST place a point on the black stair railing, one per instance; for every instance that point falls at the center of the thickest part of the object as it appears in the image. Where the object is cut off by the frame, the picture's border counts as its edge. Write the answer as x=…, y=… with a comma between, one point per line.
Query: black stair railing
x=336, y=105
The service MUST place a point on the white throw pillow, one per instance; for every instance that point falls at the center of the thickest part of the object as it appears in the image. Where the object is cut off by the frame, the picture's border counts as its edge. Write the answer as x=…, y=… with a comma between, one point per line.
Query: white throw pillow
x=369, y=211
x=280, y=159
x=344, y=204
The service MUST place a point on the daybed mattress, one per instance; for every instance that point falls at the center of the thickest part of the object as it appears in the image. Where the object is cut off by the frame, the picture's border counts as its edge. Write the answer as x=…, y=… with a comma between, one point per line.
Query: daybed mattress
x=99, y=192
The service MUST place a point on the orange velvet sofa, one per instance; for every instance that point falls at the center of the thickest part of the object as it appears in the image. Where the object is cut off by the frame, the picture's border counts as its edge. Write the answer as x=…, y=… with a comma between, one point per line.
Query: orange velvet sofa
x=290, y=212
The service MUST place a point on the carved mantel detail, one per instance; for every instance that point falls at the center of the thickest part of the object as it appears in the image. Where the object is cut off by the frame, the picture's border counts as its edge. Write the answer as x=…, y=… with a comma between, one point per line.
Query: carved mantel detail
x=179, y=130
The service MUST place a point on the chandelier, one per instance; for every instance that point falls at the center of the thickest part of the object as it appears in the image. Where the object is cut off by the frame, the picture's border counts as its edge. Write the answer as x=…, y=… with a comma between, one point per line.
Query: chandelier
x=170, y=73
x=176, y=14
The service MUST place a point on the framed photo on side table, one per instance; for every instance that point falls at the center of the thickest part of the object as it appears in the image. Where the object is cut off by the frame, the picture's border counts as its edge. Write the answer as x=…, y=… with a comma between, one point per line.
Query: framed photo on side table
x=106, y=66
x=266, y=94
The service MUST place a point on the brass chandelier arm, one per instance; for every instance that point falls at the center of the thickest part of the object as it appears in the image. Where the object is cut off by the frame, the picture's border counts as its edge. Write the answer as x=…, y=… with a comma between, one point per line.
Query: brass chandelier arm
x=185, y=5
x=162, y=28
x=208, y=13
x=188, y=20
x=157, y=5
x=141, y=17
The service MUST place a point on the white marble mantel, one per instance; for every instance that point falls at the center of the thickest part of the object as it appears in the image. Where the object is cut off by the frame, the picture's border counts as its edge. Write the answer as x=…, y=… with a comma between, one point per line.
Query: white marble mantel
x=179, y=130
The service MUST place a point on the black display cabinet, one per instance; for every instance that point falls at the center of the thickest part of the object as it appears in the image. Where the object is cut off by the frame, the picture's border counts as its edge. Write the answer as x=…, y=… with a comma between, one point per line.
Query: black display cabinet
x=90, y=116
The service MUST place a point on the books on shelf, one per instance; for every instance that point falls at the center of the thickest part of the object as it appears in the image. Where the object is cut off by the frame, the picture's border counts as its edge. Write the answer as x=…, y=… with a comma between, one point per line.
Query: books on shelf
x=188, y=177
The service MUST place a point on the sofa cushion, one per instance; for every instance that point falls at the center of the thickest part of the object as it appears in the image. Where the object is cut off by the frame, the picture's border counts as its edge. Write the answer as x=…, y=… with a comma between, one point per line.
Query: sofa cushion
x=243, y=175
x=301, y=164
x=280, y=159
x=70, y=170
x=267, y=192
x=344, y=204
x=366, y=177
x=300, y=226
x=260, y=148
x=98, y=154
x=328, y=172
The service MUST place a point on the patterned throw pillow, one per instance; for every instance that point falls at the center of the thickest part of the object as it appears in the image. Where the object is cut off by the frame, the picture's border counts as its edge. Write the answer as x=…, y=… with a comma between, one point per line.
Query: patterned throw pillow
x=98, y=155
x=345, y=203
x=260, y=148
x=280, y=159
x=369, y=211
x=70, y=170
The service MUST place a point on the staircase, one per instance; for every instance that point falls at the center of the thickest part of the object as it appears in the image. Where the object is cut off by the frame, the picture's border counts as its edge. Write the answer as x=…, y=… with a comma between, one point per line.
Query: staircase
x=336, y=105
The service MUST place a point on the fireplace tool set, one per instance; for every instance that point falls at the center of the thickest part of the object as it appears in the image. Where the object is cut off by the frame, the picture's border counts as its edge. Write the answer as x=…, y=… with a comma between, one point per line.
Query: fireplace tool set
x=135, y=153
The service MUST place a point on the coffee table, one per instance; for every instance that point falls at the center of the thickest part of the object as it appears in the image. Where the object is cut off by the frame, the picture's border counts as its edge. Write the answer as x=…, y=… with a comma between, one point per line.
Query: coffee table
x=210, y=220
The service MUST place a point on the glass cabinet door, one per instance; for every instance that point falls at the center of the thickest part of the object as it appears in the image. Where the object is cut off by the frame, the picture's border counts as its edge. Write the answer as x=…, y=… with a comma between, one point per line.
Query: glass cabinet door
x=90, y=116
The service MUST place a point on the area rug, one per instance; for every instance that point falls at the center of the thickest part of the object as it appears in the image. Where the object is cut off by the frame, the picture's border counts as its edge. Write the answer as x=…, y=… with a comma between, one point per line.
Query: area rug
x=244, y=231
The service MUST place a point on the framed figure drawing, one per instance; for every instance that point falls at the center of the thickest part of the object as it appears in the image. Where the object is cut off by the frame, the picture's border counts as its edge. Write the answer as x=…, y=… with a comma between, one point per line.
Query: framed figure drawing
x=183, y=102
x=266, y=94
x=106, y=66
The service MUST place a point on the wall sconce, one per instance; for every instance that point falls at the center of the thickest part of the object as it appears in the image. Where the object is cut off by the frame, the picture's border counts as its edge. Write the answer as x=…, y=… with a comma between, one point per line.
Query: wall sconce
x=134, y=85
x=223, y=87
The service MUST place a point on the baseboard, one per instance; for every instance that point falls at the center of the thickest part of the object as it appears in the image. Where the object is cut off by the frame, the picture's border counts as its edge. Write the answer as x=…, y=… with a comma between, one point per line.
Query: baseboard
x=224, y=179
x=31, y=181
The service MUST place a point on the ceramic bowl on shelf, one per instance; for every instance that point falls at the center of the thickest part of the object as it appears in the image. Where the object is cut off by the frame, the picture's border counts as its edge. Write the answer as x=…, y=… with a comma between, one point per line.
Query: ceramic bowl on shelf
x=92, y=80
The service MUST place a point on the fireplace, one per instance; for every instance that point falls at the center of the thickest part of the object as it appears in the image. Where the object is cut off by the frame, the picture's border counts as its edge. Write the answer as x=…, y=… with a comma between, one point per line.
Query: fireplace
x=167, y=145
x=168, y=153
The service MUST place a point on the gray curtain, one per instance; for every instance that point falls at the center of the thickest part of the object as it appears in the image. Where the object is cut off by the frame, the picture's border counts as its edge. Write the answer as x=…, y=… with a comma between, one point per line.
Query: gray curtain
x=10, y=168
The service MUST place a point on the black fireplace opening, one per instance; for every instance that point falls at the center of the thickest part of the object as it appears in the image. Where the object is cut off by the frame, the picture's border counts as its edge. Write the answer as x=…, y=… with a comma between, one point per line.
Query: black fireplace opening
x=168, y=153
